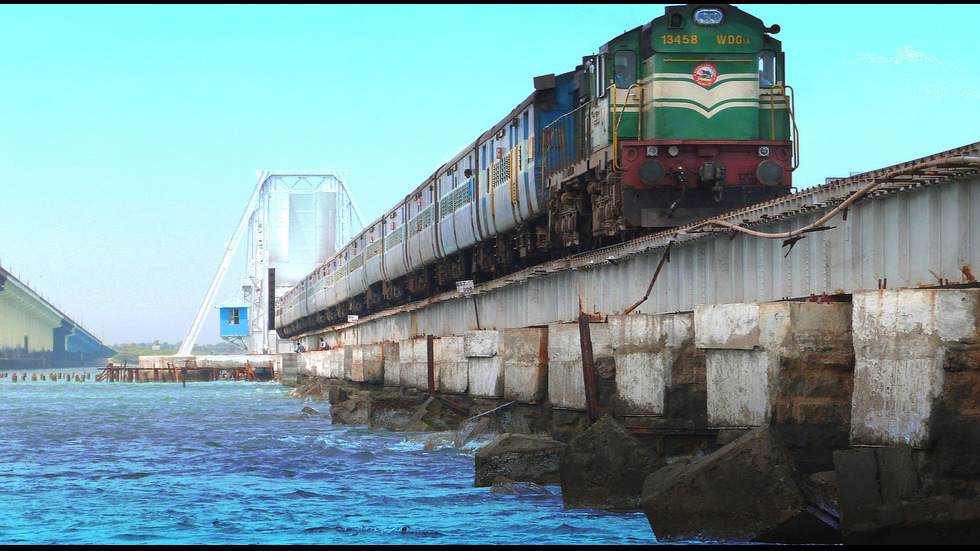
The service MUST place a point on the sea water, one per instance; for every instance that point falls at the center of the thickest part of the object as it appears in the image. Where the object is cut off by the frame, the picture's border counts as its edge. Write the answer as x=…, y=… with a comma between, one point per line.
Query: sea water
x=231, y=462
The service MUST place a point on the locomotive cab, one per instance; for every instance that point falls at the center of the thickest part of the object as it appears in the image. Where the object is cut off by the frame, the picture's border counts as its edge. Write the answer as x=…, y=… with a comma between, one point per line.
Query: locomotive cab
x=716, y=118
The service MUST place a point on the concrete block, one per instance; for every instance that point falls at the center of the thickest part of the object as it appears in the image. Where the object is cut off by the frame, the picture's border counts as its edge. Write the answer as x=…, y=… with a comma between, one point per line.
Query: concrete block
x=349, y=362
x=743, y=490
x=486, y=376
x=368, y=364
x=518, y=457
x=525, y=355
x=317, y=363
x=643, y=347
x=481, y=344
x=745, y=344
x=391, y=363
x=354, y=363
x=566, y=381
x=334, y=362
x=413, y=368
x=728, y=326
x=739, y=387
x=451, y=367
x=900, y=342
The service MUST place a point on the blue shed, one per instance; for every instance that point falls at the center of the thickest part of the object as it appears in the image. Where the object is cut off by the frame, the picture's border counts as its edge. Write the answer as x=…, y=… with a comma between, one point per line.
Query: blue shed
x=234, y=318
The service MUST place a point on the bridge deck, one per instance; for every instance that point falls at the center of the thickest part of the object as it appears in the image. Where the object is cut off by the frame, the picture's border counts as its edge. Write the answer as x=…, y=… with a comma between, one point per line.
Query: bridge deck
x=911, y=227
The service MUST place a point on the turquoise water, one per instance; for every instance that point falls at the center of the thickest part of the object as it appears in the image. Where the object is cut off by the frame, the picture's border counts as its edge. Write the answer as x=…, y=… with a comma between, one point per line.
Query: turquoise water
x=221, y=463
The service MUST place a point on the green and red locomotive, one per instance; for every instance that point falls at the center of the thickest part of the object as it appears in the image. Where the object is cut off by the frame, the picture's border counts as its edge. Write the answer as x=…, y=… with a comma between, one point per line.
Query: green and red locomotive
x=680, y=119
x=683, y=118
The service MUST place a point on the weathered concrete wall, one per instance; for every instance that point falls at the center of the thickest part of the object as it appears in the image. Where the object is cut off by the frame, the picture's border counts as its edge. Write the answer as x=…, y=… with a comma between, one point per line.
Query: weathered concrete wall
x=525, y=358
x=747, y=347
x=485, y=363
x=901, y=341
x=566, y=383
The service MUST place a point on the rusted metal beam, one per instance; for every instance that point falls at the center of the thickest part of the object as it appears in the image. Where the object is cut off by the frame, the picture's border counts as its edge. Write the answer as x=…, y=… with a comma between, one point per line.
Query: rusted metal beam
x=670, y=431
x=430, y=363
x=588, y=371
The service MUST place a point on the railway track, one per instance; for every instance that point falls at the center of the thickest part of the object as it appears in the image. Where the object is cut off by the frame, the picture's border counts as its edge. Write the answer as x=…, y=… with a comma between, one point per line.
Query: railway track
x=833, y=197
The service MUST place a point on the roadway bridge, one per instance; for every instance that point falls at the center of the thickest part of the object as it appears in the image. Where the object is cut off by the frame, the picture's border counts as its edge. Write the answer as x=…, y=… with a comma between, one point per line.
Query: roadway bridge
x=35, y=334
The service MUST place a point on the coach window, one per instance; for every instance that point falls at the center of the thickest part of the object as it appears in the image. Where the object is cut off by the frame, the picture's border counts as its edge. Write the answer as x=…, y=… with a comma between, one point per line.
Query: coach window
x=624, y=74
x=767, y=69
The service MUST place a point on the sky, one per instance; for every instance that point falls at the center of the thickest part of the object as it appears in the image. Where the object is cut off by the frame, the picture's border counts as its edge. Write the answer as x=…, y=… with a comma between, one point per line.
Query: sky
x=130, y=136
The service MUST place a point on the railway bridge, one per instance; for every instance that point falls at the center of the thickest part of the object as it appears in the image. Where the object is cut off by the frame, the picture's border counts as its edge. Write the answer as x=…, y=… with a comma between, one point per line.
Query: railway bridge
x=844, y=317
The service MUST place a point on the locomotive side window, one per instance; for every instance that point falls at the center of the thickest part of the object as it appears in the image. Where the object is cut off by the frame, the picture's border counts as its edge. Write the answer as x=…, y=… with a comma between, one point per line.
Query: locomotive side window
x=624, y=74
x=767, y=69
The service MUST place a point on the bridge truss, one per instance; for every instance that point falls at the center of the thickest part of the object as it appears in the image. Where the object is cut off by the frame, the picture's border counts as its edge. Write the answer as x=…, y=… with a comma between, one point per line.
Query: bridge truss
x=295, y=220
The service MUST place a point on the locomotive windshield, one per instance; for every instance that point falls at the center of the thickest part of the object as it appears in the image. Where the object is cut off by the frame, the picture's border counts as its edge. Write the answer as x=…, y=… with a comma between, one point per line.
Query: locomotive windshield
x=625, y=68
x=767, y=68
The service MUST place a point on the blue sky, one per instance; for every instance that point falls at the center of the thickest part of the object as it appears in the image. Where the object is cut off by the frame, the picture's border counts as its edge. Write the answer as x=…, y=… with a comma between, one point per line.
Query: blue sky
x=130, y=135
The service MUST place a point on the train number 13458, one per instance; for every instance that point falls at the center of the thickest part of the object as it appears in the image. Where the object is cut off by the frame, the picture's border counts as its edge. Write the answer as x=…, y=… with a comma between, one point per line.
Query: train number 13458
x=680, y=38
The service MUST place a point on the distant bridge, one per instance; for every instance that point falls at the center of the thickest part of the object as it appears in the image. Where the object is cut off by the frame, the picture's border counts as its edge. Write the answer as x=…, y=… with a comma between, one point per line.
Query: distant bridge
x=33, y=333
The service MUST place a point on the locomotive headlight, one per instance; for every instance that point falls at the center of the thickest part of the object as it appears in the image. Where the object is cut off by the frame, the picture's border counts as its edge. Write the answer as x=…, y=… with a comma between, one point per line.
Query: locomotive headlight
x=651, y=151
x=708, y=17
x=769, y=172
x=673, y=151
x=651, y=172
x=763, y=151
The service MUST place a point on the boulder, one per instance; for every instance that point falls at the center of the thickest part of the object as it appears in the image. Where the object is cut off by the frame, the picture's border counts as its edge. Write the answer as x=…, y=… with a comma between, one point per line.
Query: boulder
x=310, y=390
x=745, y=490
x=605, y=467
x=519, y=457
x=392, y=412
x=351, y=410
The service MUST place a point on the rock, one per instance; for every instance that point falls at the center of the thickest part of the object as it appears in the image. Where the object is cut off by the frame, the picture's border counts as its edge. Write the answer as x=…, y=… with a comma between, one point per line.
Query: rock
x=745, y=490
x=353, y=410
x=393, y=412
x=306, y=413
x=519, y=457
x=605, y=467
x=432, y=440
x=506, y=486
x=311, y=390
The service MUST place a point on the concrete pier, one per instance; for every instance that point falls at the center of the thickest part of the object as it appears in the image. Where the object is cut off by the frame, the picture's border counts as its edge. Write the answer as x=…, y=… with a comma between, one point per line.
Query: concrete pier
x=826, y=378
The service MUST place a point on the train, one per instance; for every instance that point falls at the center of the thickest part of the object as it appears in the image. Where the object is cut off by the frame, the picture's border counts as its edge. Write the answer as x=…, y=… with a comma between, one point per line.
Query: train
x=686, y=117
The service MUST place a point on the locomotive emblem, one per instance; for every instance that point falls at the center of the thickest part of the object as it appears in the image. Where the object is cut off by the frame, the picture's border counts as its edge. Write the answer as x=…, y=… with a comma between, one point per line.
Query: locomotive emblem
x=705, y=74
